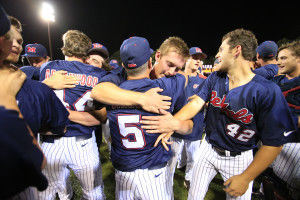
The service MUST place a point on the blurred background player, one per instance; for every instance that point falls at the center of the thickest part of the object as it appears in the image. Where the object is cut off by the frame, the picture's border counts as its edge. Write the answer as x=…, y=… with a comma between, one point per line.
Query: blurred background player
x=285, y=173
x=266, y=62
x=185, y=148
x=198, y=55
x=98, y=56
x=36, y=55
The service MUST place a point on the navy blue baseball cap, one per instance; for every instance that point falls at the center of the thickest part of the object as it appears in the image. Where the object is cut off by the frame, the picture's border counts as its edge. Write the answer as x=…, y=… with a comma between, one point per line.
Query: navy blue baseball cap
x=267, y=49
x=4, y=22
x=35, y=50
x=197, y=50
x=99, y=48
x=134, y=52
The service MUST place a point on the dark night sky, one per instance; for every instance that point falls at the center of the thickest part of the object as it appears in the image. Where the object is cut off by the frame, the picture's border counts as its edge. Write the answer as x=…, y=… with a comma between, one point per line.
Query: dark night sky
x=199, y=23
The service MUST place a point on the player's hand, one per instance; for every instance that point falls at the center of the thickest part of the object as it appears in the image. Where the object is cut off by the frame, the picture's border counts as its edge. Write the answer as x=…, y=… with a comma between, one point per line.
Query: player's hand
x=164, y=123
x=60, y=80
x=152, y=101
x=164, y=139
x=236, y=185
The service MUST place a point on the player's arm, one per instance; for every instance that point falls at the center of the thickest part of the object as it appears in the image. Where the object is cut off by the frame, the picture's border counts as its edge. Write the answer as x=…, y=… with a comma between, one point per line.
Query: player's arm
x=151, y=101
x=60, y=80
x=91, y=118
x=166, y=123
x=237, y=185
x=180, y=123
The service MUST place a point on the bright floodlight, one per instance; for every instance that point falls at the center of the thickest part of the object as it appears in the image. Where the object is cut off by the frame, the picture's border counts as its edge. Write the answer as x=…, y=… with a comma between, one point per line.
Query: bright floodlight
x=47, y=12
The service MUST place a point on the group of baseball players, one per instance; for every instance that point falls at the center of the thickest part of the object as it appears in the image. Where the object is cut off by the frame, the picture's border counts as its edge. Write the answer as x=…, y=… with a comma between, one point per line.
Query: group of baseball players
x=157, y=112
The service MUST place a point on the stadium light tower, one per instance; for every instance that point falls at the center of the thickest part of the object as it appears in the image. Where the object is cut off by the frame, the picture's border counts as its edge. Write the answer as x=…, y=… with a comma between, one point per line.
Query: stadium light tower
x=47, y=14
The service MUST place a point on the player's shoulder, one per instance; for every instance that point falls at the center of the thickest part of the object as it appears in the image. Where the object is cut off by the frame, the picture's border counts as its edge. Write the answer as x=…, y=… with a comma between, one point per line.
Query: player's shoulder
x=36, y=88
x=264, y=86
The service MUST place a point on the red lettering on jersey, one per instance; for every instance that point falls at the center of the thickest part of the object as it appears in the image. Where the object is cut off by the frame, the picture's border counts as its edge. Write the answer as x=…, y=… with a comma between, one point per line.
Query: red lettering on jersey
x=95, y=81
x=89, y=81
x=241, y=115
x=83, y=79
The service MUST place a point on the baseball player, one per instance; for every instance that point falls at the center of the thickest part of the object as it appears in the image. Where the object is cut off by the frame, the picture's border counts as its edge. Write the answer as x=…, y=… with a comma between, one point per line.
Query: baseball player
x=266, y=59
x=287, y=164
x=243, y=107
x=36, y=54
x=169, y=58
x=77, y=149
x=141, y=171
x=189, y=144
x=20, y=158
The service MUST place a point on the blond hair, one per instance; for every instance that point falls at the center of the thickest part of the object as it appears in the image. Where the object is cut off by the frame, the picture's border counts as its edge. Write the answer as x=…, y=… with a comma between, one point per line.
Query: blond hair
x=174, y=44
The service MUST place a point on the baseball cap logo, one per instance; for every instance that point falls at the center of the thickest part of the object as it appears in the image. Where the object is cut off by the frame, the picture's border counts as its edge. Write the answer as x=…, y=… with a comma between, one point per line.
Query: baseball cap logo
x=198, y=50
x=97, y=45
x=131, y=65
x=31, y=49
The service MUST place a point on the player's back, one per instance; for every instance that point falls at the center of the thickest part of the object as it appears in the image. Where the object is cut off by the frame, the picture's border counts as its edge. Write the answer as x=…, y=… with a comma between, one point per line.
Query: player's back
x=75, y=98
x=132, y=147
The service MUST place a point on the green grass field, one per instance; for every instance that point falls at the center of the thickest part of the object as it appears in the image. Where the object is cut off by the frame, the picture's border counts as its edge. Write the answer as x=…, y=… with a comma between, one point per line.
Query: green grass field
x=215, y=191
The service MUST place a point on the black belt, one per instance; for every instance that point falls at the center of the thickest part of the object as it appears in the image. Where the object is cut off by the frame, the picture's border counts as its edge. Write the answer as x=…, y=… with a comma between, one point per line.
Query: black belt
x=222, y=152
x=52, y=138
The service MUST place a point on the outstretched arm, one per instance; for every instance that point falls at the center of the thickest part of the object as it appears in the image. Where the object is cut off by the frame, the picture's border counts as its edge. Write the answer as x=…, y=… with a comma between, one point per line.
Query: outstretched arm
x=60, y=80
x=151, y=101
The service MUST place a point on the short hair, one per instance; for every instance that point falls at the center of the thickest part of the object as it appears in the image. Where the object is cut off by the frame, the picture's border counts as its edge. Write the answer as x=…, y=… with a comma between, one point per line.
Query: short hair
x=76, y=43
x=16, y=23
x=174, y=44
x=294, y=47
x=246, y=39
x=136, y=71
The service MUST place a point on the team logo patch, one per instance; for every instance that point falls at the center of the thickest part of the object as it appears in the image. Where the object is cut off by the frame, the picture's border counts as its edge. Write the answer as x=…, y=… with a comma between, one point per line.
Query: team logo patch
x=195, y=86
x=31, y=49
x=198, y=50
x=97, y=45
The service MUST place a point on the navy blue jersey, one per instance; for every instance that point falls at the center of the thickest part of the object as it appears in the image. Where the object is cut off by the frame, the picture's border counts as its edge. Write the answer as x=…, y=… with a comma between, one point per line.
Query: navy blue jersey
x=237, y=118
x=20, y=159
x=291, y=91
x=115, y=77
x=75, y=98
x=31, y=72
x=267, y=71
x=192, y=88
x=132, y=147
x=41, y=108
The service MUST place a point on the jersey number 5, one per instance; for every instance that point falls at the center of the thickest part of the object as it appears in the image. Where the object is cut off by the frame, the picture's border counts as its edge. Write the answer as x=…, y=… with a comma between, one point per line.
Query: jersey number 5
x=128, y=126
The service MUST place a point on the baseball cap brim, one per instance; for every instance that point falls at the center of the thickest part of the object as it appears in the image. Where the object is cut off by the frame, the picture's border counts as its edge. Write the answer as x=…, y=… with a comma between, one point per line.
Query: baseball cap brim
x=102, y=52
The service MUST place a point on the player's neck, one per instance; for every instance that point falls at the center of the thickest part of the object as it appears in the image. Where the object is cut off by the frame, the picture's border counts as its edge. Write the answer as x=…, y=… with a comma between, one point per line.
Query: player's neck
x=73, y=58
x=142, y=76
x=239, y=74
x=190, y=72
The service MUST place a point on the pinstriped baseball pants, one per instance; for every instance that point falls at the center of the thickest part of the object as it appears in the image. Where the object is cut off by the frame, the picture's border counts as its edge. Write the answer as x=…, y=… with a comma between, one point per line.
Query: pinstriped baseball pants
x=210, y=163
x=80, y=156
x=143, y=184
